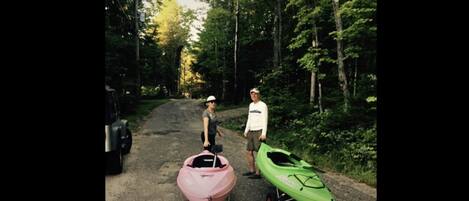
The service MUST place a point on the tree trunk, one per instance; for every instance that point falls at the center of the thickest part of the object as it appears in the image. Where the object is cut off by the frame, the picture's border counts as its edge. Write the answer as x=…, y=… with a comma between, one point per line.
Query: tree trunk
x=313, y=72
x=174, y=65
x=137, y=52
x=275, y=37
x=279, y=43
x=355, y=80
x=216, y=53
x=277, y=34
x=216, y=57
x=177, y=64
x=245, y=89
x=183, y=78
x=320, y=96
x=340, y=57
x=224, y=75
x=178, y=72
x=313, y=85
x=236, y=50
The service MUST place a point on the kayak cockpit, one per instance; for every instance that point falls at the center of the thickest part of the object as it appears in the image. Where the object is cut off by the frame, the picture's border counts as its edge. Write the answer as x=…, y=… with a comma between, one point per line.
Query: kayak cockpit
x=204, y=161
x=281, y=159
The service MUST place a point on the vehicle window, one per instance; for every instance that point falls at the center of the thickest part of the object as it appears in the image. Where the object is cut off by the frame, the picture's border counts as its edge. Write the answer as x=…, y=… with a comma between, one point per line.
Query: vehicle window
x=112, y=112
x=107, y=116
x=117, y=107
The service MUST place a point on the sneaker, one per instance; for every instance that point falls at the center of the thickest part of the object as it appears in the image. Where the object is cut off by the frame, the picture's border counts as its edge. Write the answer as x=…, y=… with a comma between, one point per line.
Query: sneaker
x=248, y=173
x=256, y=176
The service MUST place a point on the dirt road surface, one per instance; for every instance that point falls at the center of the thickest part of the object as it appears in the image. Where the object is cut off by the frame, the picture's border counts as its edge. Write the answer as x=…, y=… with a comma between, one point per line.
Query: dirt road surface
x=171, y=134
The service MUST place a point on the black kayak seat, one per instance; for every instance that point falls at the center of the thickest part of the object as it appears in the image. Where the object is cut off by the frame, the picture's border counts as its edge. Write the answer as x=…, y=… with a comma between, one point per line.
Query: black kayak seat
x=280, y=159
x=206, y=161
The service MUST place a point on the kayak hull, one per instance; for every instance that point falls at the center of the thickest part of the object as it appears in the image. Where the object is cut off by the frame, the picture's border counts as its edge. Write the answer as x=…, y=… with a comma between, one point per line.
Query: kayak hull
x=206, y=183
x=291, y=175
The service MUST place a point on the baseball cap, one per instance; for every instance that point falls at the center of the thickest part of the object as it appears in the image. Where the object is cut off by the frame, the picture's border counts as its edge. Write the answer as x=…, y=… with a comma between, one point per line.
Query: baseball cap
x=255, y=90
x=211, y=98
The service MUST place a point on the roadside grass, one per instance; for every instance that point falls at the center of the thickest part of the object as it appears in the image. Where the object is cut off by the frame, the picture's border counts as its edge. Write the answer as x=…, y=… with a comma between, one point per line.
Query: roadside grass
x=143, y=109
x=322, y=162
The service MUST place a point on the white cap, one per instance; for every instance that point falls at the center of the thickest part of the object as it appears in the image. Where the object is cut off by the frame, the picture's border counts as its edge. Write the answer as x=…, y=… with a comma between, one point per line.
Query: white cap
x=255, y=90
x=211, y=98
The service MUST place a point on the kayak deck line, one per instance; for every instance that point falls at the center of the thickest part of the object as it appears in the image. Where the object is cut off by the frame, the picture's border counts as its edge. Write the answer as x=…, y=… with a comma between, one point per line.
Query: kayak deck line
x=309, y=177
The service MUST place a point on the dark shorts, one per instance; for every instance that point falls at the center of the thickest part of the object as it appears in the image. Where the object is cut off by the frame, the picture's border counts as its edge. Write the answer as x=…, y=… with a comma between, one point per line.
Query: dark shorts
x=253, y=140
x=211, y=139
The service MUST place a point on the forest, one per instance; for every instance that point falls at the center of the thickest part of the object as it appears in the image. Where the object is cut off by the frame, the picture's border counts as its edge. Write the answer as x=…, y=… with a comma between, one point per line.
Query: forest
x=314, y=62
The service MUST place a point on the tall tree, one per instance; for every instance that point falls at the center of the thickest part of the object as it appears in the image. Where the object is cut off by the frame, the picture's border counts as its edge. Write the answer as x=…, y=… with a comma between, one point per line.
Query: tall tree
x=212, y=48
x=276, y=38
x=313, y=71
x=235, y=57
x=279, y=13
x=173, y=34
x=340, y=56
x=308, y=18
x=137, y=48
x=277, y=49
x=359, y=34
x=189, y=79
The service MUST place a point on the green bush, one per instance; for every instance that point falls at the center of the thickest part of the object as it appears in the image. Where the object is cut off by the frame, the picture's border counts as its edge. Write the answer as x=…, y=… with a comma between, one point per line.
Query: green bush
x=336, y=140
x=152, y=92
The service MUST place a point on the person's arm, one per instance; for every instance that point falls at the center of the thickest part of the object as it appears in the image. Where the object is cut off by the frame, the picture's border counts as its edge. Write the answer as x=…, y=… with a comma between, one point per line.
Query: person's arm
x=206, y=143
x=219, y=132
x=247, y=123
x=265, y=114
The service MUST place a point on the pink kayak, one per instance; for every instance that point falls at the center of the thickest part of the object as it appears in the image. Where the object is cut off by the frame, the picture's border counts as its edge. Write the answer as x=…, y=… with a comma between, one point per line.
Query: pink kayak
x=200, y=181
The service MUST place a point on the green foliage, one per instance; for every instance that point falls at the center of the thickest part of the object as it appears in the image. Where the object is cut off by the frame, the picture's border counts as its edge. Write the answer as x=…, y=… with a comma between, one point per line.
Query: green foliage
x=215, y=49
x=371, y=99
x=360, y=27
x=149, y=91
x=301, y=39
x=120, y=50
x=335, y=140
x=228, y=106
x=312, y=59
x=173, y=34
x=344, y=142
x=237, y=124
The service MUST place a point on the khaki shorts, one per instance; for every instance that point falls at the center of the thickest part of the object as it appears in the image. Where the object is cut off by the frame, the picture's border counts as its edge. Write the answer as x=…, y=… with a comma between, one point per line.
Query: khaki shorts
x=253, y=140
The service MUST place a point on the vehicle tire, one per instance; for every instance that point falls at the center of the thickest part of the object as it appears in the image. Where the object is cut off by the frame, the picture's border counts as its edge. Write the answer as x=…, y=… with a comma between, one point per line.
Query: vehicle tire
x=128, y=142
x=115, y=161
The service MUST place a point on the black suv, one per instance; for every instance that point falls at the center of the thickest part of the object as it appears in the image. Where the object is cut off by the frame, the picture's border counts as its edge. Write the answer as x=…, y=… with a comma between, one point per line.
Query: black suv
x=118, y=138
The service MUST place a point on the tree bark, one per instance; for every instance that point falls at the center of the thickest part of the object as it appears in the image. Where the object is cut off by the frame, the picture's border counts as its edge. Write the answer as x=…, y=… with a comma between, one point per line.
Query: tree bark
x=275, y=37
x=320, y=96
x=340, y=57
x=177, y=64
x=355, y=80
x=279, y=44
x=216, y=53
x=277, y=34
x=236, y=50
x=183, y=78
x=313, y=72
x=313, y=85
x=275, y=59
x=137, y=52
x=224, y=75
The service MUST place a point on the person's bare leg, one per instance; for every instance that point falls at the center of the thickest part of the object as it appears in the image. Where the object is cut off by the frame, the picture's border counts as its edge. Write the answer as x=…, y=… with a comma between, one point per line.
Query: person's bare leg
x=254, y=162
x=250, y=159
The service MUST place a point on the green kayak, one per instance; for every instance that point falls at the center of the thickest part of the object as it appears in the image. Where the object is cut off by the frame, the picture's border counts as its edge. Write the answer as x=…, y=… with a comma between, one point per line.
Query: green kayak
x=291, y=174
